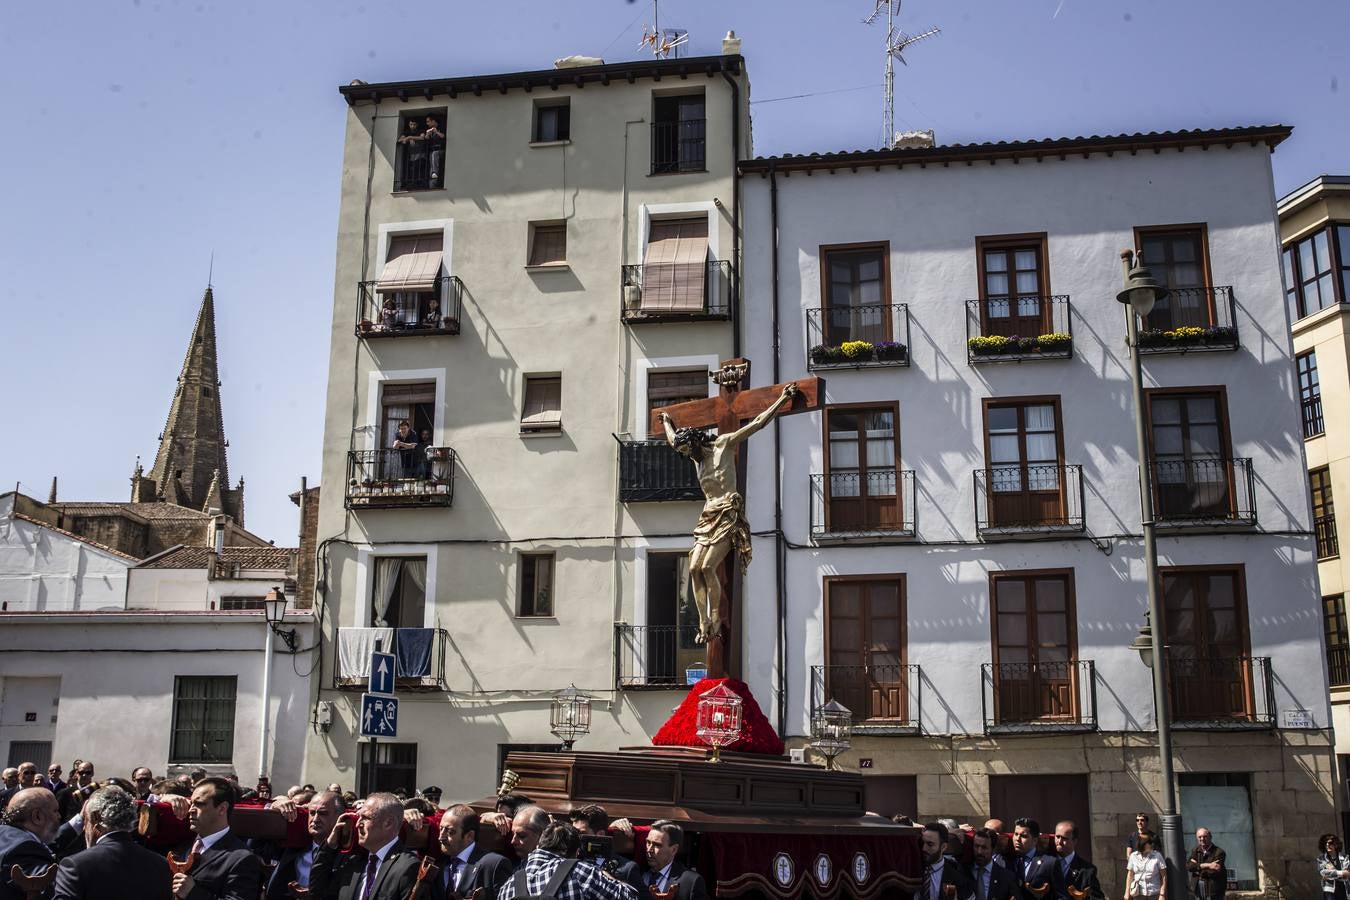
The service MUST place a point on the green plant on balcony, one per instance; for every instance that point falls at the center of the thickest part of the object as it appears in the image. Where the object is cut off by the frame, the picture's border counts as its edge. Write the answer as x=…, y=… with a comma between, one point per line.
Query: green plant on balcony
x=857, y=352
x=1001, y=345
x=1189, y=336
x=1054, y=342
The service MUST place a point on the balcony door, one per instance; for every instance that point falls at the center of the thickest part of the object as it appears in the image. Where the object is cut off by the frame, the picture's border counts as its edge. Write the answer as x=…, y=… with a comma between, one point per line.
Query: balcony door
x=1176, y=256
x=667, y=643
x=1192, y=475
x=1205, y=619
x=862, y=465
x=1013, y=288
x=1025, y=452
x=856, y=293
x=399, y=593
x=865, y=644
x=1035, y=671
x=675, y=267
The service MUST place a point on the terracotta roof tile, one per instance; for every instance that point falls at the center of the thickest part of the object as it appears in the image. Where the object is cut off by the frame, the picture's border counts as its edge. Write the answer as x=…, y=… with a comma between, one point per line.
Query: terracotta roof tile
x=244, y=557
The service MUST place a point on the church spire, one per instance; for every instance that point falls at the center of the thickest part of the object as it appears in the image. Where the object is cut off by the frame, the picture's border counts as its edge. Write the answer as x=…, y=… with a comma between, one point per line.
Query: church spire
x=191, y=453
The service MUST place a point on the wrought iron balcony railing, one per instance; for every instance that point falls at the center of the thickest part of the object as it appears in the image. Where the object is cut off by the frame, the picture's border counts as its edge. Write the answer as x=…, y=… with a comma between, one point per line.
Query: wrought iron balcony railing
x=1027, y=500
x=392, y=478
x=1327, y=543
x=1338, y=665
x=857, y=337
x=876, y=505
x=678, y=292
x=1203, y=492
x=419, y=654
x=885, y=698
x=652, y=470
x=1012, y=329
x=1219, y=692
x=664, y=657
x=409, y=313
x=679, y=146
x=420, y=167
x=1036, y=697
x=1190, y=320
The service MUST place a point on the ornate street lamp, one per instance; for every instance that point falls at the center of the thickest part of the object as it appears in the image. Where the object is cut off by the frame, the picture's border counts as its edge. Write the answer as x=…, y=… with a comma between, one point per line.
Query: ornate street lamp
x=570, y=716
x=719, y=719
x=1140, y=294
x=831, y=731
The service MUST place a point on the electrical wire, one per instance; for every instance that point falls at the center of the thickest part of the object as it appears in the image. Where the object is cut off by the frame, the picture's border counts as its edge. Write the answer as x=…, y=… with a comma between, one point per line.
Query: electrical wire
x=861, y=87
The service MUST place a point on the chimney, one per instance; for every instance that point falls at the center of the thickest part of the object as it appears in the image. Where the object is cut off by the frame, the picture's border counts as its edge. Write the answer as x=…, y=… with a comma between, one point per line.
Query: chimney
x=731, y=45
x=914, y=140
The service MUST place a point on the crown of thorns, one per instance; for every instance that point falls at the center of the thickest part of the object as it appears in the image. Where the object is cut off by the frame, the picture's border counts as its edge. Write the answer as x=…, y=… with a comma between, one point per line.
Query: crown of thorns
x=696, y=437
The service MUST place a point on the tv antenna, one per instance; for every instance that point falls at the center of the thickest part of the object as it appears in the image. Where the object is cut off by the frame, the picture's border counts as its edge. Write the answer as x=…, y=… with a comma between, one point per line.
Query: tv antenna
x=896, y=43
x=665, y=42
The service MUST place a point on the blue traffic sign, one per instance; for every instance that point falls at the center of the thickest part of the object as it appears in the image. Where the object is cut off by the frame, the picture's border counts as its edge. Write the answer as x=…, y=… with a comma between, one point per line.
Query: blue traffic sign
x=379, y=716
x=383, y=668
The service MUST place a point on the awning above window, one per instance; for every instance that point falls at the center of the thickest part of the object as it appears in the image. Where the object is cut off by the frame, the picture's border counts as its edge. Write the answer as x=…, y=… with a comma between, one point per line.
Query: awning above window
x=675, y=266
x=413, y=265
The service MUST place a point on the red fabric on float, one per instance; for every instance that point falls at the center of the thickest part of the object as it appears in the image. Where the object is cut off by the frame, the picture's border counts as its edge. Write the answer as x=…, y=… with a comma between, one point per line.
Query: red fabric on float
x=757, y=735
x=824, y=867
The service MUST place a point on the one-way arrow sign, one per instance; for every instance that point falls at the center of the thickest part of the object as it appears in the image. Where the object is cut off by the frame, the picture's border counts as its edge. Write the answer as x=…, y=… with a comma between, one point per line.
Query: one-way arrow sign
x=383, y=668
x=379, y=716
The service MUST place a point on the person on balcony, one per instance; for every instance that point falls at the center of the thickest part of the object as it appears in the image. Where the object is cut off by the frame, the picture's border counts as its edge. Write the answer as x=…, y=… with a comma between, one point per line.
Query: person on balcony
x=388, y=315
x=435, y=142
x=404, y=463
x=414, y=154
x=431, y=316
x=424, y=454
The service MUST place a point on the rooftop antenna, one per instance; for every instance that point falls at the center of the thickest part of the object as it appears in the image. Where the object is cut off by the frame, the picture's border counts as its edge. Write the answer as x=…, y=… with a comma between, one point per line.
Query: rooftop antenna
x=665, y=42
x=896, y=42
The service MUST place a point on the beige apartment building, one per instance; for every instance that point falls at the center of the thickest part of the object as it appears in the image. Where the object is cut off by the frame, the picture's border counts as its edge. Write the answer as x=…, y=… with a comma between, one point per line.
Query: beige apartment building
x=526, y=264
x=1315, y=234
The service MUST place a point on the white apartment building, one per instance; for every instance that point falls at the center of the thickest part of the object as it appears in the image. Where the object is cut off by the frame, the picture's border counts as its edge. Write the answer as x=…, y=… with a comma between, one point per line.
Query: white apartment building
x=526, y=263
x=961, y=562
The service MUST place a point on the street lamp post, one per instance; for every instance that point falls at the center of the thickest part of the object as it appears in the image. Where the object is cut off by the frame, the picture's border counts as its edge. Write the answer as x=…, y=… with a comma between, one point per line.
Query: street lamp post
x=274, y=611
x=1141, y=292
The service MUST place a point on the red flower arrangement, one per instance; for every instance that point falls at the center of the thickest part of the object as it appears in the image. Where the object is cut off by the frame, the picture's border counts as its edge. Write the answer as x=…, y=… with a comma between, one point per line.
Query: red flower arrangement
x=757, y=735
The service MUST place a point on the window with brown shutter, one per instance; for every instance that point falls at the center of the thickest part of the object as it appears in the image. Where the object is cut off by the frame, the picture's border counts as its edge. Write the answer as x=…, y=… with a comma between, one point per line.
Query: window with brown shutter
x=674, y=267
x=865, y=645
x=548, y=244
x=542, y=410
x=668, y=388
x=1035, y=670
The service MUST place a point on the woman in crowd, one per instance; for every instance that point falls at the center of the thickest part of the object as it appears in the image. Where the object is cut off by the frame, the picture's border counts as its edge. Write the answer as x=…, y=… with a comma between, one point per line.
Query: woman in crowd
x=1334, y=867
x=1146, y=872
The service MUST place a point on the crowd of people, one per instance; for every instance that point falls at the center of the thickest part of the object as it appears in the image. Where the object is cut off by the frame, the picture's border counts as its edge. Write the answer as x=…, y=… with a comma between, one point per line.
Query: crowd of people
x=80, y=839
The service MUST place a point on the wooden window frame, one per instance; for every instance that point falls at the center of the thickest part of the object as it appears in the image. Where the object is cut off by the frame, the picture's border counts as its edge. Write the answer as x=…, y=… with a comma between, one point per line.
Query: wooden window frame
x=528, y=428
x=1339, y=266
x=1310, y=395
x=1040, y=241
x=550, y=225
x=531, y=559
x=1327, y=506
x=887, y=300
x=894, y=409
x=1225, y=435
x=829, y=581
x=1334, y=620
x=1241, y=613
x=1029, y=400
x=1071, y=618
x=1202, y=228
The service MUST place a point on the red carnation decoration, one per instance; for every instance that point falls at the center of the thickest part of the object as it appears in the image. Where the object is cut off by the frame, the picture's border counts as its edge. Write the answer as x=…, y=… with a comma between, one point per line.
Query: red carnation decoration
x=757, y=735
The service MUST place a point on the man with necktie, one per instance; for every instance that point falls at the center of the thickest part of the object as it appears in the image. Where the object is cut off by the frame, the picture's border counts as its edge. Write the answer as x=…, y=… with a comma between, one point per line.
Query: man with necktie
x=296, y=864
x=115, y=866
x=225, y=869
x=1072, y=870
x=992, y=880
x=1034, y=870
x=942, y=876
x=386, y=870
x=466, y=866
x=663, y=845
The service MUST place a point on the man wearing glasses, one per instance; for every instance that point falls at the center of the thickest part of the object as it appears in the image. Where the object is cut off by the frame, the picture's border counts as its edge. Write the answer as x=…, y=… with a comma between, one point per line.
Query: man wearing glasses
x=144, y=779
x=71, y=800
x=1141, y=831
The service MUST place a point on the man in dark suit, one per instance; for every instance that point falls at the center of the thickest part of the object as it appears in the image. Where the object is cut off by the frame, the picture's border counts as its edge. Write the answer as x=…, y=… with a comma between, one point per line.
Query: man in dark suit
x=383, y=869
x=71, y=799
x=992, y=880
x=225, y=869
x=53, y=780
x=1207, y=865
x=296, y=863
x=663, y=869
x=1072, y=870
x=1034, y=870
x=939, y=870
x=31, y=821
x=466, y=865
x=28, y=778
x=114, y=866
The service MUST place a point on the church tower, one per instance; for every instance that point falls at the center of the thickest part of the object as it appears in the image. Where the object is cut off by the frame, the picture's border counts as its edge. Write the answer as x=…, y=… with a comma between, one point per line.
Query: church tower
x=190, y=467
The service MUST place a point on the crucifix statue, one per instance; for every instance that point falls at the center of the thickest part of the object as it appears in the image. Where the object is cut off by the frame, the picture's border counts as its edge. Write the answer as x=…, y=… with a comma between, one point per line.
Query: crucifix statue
x=722, y=526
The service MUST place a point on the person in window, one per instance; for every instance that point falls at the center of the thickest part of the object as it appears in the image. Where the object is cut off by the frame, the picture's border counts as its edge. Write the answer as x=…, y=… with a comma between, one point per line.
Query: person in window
x=388, y=315
x=405, y=463
x=431, y=316
x=1334, y=867
x=1146, y=870
x=414, y=154
x=424, y=453
x=435, y=142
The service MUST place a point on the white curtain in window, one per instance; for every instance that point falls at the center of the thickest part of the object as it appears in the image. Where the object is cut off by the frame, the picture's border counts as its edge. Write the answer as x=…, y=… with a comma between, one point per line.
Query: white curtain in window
x=415, y=571
x=386, y=577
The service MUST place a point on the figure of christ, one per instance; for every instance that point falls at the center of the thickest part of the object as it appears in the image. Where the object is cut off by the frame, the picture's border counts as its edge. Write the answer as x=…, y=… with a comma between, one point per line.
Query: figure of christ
x=722, y=524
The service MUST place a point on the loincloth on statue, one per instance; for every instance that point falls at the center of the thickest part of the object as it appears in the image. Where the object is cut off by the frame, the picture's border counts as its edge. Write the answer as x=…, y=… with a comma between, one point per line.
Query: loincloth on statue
x=723, y=519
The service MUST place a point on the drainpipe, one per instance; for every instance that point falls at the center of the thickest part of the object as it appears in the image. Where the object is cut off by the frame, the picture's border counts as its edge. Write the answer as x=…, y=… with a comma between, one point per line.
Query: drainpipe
x=780, y=550
x=736, y=214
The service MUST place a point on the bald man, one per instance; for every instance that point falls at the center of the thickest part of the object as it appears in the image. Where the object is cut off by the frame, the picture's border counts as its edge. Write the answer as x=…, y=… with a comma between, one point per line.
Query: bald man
x=31, y=821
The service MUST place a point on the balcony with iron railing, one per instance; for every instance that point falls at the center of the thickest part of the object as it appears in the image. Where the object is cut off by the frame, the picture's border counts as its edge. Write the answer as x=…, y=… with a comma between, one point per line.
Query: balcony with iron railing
x=678, y=292
x=419, y=654
x=392, y=314
x=657, y=657
x=875, y=506
x=1028, y=501
x=858, y=337
x=884, y=699
x=652, y=470
x=419, y=165
x=1026, y=698
x=1338, y=665
x=1013, y=329
x=679, y=146
x=1221, y=692
x=1328, y=545
x=1191, y=320
x=400, y=478
x=1203, y=492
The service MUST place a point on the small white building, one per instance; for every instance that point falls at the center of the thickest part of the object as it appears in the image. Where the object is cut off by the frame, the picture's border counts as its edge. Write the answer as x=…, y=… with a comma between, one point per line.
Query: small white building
x=44, y=568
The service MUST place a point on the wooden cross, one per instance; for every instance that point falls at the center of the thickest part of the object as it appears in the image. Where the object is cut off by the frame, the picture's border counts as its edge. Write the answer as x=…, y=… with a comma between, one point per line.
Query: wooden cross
x=734, y=404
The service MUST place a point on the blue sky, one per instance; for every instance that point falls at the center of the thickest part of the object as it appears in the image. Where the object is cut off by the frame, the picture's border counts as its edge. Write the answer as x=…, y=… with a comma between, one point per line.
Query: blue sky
x=144, y=135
